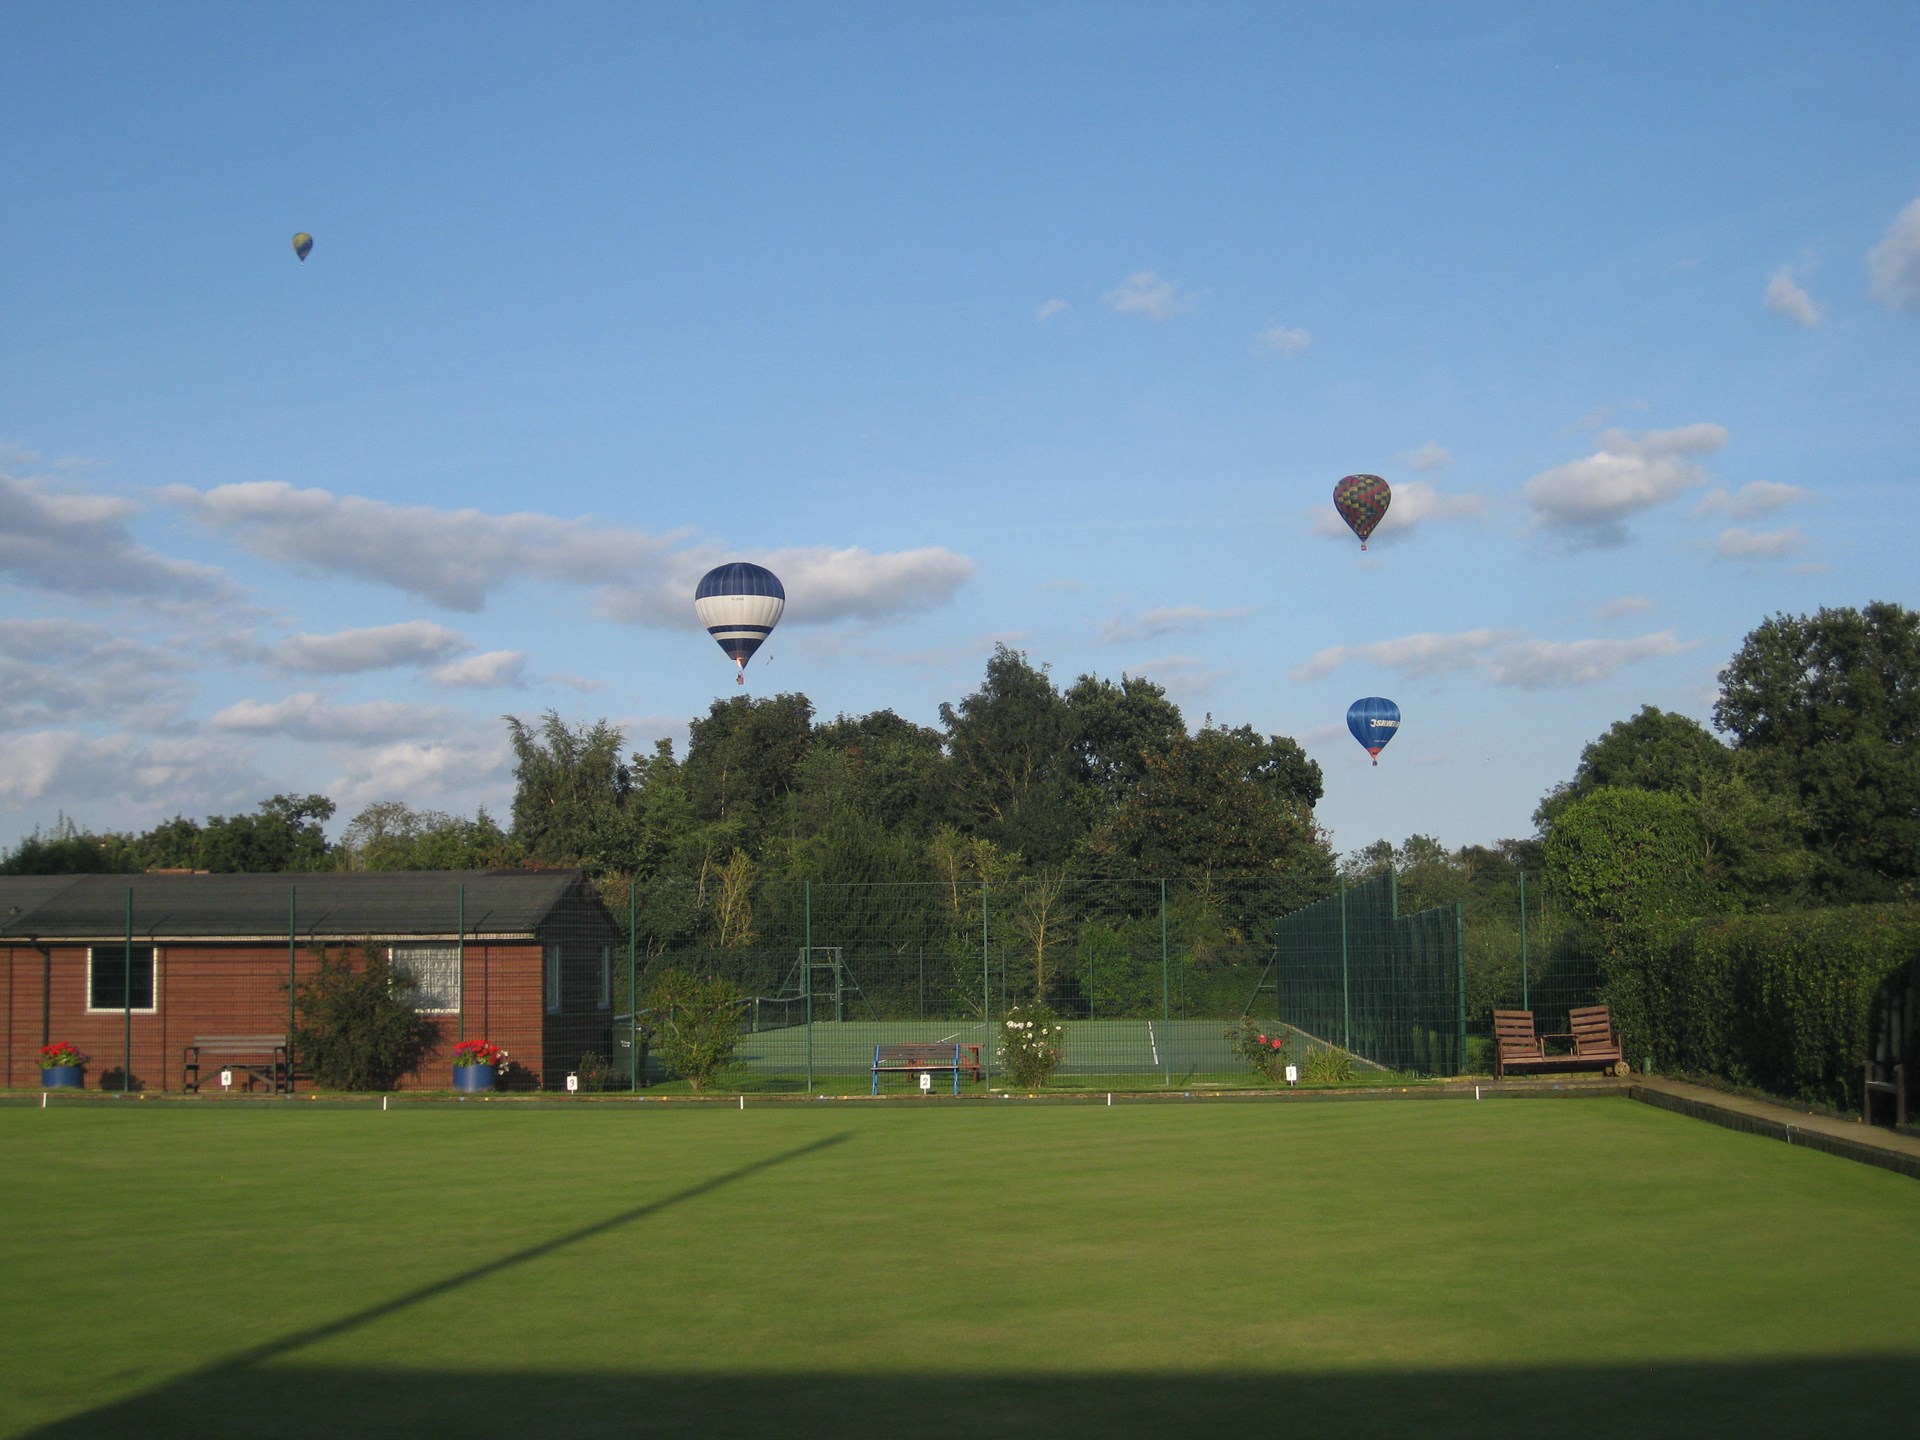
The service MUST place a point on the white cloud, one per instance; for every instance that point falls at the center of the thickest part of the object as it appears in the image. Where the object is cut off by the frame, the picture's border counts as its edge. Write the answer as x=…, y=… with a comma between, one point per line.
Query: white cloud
x=1556, y=665
x=452, y=557
x=1629, y=473
x=1893, y=266
x=308, y=716
x=1170, y=621
x=1738, y=544
x=1430, y=456
x=1785, y=297
x=78, y=544
x=1279, y=340
x=458, y=558
x=1421, y=655
x=57, y=671
x=1145, y=293
x=495, y=667
x=1761, y=497
x=1507, y=658
x=1623, y=606
x=421, y=772
x=1415, y=503
x=1051, y=308
x=379, y=647
x=129, y=773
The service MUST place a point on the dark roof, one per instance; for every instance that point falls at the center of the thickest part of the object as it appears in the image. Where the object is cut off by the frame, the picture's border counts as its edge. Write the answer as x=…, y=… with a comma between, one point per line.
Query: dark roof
x=498, y=904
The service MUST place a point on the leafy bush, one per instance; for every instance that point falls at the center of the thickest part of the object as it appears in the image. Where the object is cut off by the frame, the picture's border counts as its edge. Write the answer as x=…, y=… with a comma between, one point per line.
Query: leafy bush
x=1030, y=1044
x=1267, y=1054
x=356, y=1027
x=1328, y=1066
x=696, y=1024
x=594, y=1071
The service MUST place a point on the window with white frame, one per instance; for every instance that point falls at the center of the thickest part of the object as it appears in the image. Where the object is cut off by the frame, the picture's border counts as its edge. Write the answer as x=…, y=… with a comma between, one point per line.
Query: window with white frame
x=606, y=977
x=435, y=972
x=120, y=977
x=554, y=953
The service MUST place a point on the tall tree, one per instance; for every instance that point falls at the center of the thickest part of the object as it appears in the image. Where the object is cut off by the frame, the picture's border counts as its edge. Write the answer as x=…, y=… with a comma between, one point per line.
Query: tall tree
x=571, y=786
x=1827, y=707
x=742, y=758
x=1012, y=747
x=1655, y=750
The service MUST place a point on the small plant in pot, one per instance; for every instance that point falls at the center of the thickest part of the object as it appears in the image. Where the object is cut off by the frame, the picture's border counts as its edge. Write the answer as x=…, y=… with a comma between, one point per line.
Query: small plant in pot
x=478, y=1065
x=61, y=1064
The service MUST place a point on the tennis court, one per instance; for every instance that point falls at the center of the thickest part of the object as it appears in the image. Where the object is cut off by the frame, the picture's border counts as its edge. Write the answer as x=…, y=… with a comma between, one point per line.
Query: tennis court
x=1178, y=1050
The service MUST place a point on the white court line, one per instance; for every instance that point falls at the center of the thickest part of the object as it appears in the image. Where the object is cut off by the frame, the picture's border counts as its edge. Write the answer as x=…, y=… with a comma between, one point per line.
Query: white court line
x=1152, y=1042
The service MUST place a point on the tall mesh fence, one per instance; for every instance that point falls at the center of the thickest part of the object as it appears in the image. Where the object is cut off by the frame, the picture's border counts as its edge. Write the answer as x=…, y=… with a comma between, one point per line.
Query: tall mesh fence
x=1145, y=975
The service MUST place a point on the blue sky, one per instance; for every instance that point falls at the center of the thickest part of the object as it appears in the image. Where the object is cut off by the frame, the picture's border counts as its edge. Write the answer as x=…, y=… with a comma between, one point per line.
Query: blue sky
x=1044, y=324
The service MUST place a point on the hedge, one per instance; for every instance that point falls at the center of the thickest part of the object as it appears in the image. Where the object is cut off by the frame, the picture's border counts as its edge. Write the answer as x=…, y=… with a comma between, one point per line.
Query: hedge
x=1784, y=1003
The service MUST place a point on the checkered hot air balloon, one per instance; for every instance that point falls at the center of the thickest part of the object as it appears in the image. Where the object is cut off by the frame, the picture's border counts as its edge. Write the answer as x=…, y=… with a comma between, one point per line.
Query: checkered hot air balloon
x=1362, y=501
x=739, y=603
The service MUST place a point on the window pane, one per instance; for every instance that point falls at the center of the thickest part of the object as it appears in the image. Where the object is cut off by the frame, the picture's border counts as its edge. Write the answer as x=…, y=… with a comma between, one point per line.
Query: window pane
x=553, y=977
x=435, y=970
x=108, y=987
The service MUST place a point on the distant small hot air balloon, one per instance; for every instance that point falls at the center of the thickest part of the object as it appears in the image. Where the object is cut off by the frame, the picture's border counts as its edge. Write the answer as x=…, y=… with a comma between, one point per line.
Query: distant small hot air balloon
x=739, y=603
x=1362, y=501
x=1374, y=722
x=303, y=246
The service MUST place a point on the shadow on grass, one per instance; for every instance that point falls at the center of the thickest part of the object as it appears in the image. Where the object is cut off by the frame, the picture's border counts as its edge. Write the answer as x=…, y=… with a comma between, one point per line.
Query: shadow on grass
x=1864, y=1396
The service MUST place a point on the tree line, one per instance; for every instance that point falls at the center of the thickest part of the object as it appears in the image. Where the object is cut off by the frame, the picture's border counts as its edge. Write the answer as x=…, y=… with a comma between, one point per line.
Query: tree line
x=1809, y=794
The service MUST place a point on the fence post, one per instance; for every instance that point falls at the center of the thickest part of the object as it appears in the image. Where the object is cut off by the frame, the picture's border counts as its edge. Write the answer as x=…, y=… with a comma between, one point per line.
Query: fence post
x=806, y=973
x=1525, y=1003
x=1460, y=986
x=126, y=970
x=633, y=992
x=460, y=961
x=986, y=995
x=1346, y=1003
x=1166, y=993
x=293, y=932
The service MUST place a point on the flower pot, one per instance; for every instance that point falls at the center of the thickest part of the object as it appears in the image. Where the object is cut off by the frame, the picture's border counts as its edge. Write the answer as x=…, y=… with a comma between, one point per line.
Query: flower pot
x=472, y=1079
x=61, y=1077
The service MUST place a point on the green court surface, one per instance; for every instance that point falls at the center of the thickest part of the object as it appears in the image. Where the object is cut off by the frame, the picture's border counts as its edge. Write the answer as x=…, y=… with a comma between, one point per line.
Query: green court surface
x=1175, y=1050
x=1576, y=1267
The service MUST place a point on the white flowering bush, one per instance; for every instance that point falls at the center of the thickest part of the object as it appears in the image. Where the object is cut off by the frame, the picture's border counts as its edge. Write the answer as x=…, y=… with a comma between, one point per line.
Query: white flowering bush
x=1032, y=1045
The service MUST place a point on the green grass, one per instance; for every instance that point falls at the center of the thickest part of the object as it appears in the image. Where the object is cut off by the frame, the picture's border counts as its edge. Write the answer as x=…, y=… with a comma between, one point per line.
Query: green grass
x=1586, y=1267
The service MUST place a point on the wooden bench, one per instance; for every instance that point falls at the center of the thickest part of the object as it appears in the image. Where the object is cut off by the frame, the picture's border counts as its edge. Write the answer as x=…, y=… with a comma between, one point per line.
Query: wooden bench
x=1896, y=1087
x=921, y=1058
x=1515, y=1047
x=258, y=1057
x=1518, y=1050
x=1595, y=1041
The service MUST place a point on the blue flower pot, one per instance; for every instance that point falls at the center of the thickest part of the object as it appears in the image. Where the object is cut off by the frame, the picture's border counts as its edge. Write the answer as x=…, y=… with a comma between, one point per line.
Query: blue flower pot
x=60, y=1077
x=472, y=1079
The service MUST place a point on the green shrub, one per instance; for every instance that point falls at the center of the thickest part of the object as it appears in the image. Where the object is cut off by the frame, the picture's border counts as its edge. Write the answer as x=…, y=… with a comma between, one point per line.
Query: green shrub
x=1266, y=1053
x=1328, y=1066
x=1030, y=1045
x=696, y=1024
x=355, y=1027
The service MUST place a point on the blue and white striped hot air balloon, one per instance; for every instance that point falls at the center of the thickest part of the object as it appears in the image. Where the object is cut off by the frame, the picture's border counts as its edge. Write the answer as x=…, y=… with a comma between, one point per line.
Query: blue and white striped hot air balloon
x=739, y=603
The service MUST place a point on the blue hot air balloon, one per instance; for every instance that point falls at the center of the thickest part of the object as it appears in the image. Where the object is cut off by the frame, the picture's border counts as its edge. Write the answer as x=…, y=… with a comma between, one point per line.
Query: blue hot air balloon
x=1374, y=722
x=739, y=603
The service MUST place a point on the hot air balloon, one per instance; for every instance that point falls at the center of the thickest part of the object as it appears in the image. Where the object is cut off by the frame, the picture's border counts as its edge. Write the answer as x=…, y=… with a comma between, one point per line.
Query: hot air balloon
x=1362, y=501
x=739, y=603
x=1374, y=722
x=303, y=246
